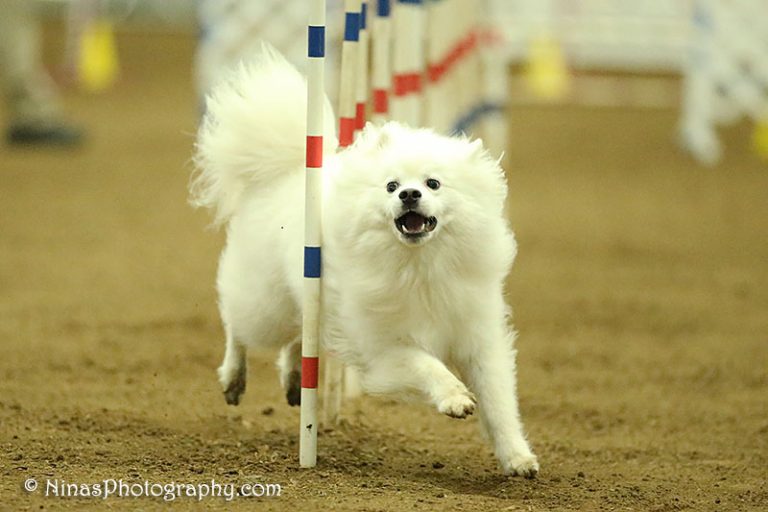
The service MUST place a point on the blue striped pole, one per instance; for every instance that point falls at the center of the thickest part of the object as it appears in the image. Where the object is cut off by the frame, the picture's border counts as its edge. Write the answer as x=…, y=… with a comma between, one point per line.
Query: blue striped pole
x=312, y=235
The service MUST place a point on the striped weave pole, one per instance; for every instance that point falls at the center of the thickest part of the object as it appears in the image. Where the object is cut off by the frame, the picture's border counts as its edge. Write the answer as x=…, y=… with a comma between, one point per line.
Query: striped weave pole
x=408, y=61
x=349, y=64
x=439, y=102
x=312, y=234
x=467, y=58
x=454, y=75
x=361, y=85
x=489, y=114
x=381, y=78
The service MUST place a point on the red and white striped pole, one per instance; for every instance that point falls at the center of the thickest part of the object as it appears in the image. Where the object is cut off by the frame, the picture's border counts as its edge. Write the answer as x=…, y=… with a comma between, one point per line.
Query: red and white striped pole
x=381, y=74
x=349, y=71
x=312, y=234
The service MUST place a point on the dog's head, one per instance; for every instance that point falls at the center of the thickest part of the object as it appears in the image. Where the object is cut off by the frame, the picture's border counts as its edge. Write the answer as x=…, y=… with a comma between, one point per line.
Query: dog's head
x=418, y=186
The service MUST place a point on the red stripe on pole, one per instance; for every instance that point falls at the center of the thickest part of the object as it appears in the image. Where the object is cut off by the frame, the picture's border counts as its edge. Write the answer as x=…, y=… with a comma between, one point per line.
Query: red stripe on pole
x=314, y=151
x=436, y=71
x=360, y=116
x=380, y=101
x=309, y=372
x=346, y=131
x=406, y=83
x=490, y=37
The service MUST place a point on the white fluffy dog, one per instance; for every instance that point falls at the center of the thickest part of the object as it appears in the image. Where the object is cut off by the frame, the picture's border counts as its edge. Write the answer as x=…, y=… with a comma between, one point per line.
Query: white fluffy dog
x=415, y=252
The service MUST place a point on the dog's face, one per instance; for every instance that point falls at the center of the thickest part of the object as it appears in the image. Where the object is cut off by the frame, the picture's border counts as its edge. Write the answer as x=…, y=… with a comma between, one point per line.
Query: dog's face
x=417, y=186
x=414, y=205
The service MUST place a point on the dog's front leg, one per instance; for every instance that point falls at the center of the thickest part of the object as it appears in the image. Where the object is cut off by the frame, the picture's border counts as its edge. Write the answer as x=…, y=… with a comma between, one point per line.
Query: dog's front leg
x=405, y=369
x=489, y=368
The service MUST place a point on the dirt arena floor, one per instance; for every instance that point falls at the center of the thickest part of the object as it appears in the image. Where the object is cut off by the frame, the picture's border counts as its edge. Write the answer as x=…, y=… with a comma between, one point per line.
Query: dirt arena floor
x=640, y=294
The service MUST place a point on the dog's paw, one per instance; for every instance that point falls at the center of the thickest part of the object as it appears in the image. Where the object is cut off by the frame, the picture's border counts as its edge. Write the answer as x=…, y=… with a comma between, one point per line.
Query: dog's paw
x=526, y=466
x=459, y=405
x=233, y=383
x=293, y=389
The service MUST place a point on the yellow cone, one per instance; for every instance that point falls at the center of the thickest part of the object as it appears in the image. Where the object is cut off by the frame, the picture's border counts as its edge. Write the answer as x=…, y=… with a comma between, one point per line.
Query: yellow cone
x=98, y=65
x=546, y=71
x=760, y=139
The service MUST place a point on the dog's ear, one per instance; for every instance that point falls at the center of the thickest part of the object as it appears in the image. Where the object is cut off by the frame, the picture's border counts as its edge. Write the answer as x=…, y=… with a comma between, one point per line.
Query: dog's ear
x=476, y=149
x=373, y=137
x=383, y=140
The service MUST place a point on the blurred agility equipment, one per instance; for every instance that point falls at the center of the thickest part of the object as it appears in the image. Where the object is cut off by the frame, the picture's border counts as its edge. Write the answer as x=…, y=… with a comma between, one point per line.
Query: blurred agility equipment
x=637, y=53
x=546, y=70
x=35, y=117
x=760, y=139
x=98, y=64
x=726, y=74
x=91, y=58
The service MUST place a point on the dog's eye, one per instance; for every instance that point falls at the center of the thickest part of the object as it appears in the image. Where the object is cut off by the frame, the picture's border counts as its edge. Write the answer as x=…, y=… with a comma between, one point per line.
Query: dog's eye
x=433, y=184
x=392, y=186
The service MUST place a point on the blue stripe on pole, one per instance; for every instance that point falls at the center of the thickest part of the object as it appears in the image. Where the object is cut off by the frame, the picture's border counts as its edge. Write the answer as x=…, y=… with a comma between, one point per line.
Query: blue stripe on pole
x=352, y=26
x=363, y=15
x=316, y=41
x=311, y=262
x=203, y=33
x=465, y=122
x=383, y=8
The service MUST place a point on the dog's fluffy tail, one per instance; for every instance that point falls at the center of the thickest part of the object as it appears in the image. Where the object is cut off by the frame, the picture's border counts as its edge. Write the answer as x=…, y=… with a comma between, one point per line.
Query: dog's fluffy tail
x=254, y=130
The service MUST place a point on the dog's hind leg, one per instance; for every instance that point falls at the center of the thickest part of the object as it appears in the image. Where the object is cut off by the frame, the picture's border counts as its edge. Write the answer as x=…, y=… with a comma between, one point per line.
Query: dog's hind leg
x=352, y=388
x=289, y=366
x=232, y=372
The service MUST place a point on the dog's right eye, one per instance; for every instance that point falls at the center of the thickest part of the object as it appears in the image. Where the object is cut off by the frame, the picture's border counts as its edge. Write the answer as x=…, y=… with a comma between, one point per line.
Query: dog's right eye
x=392, y=186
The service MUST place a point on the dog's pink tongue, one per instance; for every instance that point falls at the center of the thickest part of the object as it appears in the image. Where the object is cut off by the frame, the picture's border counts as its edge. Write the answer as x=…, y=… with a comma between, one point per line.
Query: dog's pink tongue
x=414, y=222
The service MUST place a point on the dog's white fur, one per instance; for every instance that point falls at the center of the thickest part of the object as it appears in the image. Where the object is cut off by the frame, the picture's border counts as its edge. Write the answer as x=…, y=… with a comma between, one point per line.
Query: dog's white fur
x=404, y=312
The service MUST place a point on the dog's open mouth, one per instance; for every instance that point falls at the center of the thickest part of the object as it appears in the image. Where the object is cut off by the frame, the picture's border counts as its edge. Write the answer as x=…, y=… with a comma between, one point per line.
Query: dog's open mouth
x=413, y=224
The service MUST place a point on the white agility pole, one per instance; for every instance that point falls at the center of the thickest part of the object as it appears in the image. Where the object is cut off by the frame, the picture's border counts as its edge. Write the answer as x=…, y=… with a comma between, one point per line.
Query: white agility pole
x=349, y=64
x=467, y=75
x=312, y=234
x=440, y=99
x=381, y=77
x=408, y=61
x=333, y=382
x=361, y=82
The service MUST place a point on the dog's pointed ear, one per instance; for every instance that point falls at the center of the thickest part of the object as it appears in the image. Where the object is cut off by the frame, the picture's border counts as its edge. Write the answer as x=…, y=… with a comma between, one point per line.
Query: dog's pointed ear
x=387, y=132
x=476, y=149
x=384, y=138
x=372, y=137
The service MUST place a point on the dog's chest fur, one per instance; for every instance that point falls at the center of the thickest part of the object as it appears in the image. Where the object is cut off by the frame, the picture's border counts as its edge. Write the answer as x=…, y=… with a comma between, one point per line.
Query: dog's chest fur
x=412, y=302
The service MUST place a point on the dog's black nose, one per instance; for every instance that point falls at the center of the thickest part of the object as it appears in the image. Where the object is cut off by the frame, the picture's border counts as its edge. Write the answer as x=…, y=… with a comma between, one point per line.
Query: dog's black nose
x=409, y=196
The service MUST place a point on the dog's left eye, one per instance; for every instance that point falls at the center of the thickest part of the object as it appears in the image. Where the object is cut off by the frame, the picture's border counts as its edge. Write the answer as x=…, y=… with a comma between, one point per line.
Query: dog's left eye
x=392, y=186
x=433, y=184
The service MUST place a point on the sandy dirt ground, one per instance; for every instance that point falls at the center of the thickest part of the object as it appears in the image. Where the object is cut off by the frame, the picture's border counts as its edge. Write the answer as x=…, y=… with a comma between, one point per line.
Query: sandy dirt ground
x=640, y=294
